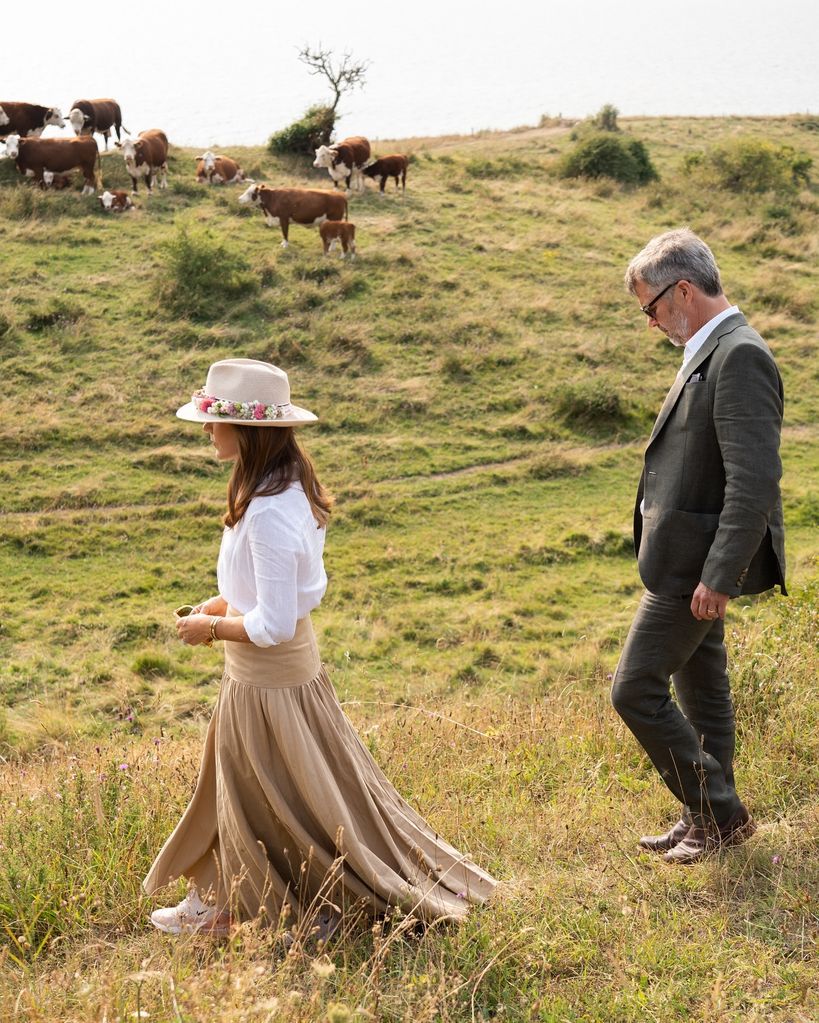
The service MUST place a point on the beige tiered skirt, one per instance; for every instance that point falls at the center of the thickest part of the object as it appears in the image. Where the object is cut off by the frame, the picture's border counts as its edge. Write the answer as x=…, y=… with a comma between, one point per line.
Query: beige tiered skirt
x=291, y=811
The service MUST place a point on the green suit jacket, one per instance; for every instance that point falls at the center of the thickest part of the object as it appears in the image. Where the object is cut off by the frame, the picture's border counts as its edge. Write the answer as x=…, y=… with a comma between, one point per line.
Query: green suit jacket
x=712, y=507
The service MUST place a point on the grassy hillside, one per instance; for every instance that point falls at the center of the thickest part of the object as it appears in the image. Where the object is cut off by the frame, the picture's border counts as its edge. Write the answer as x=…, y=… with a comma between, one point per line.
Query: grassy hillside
x=485, y=388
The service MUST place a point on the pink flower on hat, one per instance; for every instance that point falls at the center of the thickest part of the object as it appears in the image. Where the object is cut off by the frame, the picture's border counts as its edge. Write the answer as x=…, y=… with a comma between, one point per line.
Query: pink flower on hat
x=205, y=403
x=258, y=410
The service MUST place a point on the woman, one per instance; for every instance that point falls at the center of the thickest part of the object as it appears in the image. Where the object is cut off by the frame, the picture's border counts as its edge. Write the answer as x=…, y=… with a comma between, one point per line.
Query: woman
x=291, y=815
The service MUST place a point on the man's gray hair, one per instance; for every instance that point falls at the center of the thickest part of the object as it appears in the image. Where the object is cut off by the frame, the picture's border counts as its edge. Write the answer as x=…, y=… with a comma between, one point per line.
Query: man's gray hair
x=675, y=256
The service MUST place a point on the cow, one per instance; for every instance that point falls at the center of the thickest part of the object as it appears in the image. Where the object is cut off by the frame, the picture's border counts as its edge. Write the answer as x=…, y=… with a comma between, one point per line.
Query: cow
x=344, y=161
x=334, y=231
x=96, y=115
x=116, y=201
x=35, y=156
x=301, y=205
x=55, y=181
x=218, y=169
x=146, y=157
x=394, y=166
x=26, y=119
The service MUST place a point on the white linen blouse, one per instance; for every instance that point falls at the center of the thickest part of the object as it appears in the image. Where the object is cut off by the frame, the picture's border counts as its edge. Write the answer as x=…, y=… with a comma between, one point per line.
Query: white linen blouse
x=271, y=567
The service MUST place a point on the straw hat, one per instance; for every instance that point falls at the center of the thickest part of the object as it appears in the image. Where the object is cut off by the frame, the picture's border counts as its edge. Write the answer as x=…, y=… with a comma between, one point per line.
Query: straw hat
x=246, y=392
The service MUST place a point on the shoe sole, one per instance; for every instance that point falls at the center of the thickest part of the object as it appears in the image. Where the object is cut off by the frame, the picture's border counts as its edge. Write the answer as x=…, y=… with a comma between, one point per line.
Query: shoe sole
x=212, y=930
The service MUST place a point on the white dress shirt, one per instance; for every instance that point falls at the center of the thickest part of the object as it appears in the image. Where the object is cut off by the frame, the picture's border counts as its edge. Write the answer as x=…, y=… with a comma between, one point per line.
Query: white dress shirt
x=270, y=566
x=696, y=341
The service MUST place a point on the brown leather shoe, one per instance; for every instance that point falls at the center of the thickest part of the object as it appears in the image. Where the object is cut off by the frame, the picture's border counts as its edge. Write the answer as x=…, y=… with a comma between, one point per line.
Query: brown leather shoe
x=699, y=841
x=662, y=843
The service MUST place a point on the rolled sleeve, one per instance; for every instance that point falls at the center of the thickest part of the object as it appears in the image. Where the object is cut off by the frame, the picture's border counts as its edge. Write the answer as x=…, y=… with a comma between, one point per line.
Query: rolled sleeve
x=275, y=550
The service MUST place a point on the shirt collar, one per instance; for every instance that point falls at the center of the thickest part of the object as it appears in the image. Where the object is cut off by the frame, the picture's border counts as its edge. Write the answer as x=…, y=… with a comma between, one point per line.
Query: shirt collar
x=696, y=341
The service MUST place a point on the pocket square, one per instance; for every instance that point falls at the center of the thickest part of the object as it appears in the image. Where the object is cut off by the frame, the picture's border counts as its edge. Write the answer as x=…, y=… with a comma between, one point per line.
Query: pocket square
x=695, y=378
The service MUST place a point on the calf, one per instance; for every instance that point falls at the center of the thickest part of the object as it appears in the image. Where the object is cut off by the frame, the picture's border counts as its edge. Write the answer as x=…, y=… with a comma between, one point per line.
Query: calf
x=218, y=169
x=55, y=181
x=116, y=201
x=301, y=205
x=334, y=231
x=146, y=157
x=394, y=166
x=26, y=119
x=35, y=156
x=96, y=115
x=344, y=161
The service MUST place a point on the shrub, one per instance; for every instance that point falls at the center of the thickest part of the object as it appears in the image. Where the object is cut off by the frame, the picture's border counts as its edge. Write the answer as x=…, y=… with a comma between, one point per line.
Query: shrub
x=604, y=154
x=606, y=118
x=313, y=129
x=592, y=403
x=751, y=165
x=200, y=274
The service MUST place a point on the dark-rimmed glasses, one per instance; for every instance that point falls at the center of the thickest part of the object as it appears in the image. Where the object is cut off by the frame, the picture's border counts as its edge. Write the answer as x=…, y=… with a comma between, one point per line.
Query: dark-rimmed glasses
x=650, y=309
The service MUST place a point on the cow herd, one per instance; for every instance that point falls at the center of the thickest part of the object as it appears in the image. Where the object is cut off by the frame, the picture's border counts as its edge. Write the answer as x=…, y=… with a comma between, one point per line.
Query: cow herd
x=50, y=160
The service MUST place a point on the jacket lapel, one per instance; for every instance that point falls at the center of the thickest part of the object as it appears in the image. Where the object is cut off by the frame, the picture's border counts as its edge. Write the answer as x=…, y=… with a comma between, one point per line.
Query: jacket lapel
x=721, y=329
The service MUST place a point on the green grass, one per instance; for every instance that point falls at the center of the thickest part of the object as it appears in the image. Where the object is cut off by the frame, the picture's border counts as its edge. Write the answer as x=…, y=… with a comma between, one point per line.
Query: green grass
x=485, y=388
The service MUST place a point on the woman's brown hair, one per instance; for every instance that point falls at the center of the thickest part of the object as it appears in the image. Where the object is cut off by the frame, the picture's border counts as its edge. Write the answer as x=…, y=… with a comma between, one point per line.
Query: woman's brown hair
x=270, y=459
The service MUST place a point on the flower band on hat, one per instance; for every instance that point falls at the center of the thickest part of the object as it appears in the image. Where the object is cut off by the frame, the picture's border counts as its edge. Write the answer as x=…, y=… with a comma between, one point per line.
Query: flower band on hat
x=250, y=410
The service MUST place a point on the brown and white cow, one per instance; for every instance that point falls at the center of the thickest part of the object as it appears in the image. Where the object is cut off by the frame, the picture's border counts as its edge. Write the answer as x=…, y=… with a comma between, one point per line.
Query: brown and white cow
x=147, y=157
x=344, y=161
x=217, y=170
x=116, y=202
x=334, y=231
x=34, y=156
x=393, y=166
x=96, y=115
x=26, y=119
x=306, y=206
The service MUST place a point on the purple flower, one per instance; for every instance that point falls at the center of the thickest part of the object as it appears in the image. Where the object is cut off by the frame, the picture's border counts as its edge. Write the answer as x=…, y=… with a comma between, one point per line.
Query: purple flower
x=123, y=767
x=776, y=859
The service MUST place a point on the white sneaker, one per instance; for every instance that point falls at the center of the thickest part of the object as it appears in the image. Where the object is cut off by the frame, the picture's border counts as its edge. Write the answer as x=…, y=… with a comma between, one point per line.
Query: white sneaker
x=190, y=916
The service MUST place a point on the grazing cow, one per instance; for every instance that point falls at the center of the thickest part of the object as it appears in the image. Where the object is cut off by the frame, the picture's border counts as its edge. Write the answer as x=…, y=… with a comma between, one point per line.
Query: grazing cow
x=36, y=156
x=217, y=170
x=55, y=181
x=344, y=161
x=334, y=231
x=116, y=201
x=26, y=119
x=147, y=157
x=96, y=115
x=394, y=166
x=301, y=205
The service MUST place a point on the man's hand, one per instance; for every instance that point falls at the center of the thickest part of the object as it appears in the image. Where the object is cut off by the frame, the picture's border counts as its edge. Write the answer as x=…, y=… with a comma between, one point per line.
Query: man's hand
x=708, y=605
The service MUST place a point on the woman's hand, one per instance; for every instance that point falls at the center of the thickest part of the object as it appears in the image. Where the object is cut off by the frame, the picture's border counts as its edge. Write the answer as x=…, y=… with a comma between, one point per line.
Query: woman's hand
x=213, y=606
x=194, y=629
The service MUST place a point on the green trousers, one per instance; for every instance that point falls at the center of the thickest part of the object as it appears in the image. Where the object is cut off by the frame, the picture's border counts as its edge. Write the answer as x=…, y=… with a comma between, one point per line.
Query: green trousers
x=690, y=740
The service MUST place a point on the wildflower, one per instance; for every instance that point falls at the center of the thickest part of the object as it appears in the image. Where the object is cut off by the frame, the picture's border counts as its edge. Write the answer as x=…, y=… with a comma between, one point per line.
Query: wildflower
x=123, y=767
x=776, y=859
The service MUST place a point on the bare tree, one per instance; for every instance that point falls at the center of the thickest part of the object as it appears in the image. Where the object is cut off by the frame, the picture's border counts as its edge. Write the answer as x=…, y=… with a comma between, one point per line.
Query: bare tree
x=343, y=75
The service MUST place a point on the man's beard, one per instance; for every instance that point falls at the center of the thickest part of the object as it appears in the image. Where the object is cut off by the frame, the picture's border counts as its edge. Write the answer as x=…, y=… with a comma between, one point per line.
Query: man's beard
x=678, y=332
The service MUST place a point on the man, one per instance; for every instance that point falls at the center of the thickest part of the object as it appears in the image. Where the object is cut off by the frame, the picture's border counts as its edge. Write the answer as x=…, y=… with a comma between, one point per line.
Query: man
x=707, y=527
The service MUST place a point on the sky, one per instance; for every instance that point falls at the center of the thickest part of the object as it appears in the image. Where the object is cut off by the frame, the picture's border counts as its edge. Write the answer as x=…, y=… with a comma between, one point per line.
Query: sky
x=213, y=73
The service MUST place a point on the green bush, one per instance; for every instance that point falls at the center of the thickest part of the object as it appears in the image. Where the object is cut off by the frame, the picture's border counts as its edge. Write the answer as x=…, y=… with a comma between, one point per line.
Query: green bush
x=313, y=129
x=606, y=118
x=592, y=403
x=604, y=154
x=750, y=164
x=200, y=274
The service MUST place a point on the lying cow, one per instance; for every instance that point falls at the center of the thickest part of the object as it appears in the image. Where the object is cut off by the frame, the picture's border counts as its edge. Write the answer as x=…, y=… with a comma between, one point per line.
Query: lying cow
x=116, y=201
x=25, y=119
x=146, y=157
x=334, y=231
x=55, y=181
x=394, y=166
x=96, y=115
x=307, y=206
x=344, y=161
x=35, y=156
x=217, y=170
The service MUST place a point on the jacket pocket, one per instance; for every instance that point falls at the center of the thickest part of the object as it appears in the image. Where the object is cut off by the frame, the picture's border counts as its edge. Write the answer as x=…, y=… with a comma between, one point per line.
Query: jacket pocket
x=693, y=408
